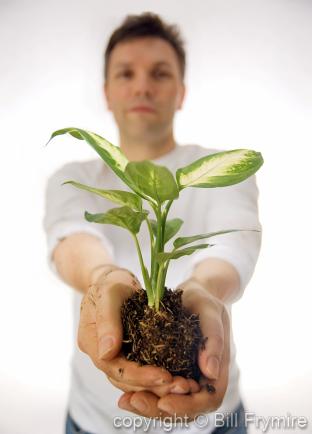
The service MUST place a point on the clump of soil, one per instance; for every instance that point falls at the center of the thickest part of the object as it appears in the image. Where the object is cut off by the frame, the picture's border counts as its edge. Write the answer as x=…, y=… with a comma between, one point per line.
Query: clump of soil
x=169, y=337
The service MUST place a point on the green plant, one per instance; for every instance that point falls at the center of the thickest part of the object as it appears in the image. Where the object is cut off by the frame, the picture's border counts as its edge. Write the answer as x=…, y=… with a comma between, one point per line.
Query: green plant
x=157, y=185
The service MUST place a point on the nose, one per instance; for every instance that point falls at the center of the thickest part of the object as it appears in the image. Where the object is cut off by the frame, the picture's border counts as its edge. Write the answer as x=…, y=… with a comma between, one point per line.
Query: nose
x=142, y=85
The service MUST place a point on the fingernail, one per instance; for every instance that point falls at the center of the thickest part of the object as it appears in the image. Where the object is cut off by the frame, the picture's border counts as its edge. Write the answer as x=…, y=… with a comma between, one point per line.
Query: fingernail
x=177, y=389
x=166, y=407
x=125, y=406
x=213, y=367
x=139, y=404
x=105, y=345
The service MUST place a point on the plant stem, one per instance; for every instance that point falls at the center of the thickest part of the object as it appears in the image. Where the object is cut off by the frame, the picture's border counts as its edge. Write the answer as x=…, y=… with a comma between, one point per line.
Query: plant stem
x=158, y=272
x=159, y=288
x=152, y=243
x=158, y=246
x=164, y=215
x=164, y=278
x=167, y=207
x=159, y=275
x=147, y=281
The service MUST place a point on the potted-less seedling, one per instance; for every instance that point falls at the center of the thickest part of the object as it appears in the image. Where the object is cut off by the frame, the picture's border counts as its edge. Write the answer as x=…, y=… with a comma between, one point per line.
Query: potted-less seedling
x=157, y=329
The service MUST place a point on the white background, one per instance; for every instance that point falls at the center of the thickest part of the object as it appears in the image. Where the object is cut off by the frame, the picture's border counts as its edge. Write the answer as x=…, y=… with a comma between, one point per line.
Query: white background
x=249, y=85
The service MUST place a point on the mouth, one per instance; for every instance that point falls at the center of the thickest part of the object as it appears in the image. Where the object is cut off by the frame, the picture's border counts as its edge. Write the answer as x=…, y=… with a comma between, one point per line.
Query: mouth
x=143, y=109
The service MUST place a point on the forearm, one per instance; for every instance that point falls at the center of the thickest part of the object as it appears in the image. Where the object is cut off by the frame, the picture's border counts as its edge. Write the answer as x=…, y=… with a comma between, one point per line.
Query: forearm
x=219, y=277
x=80, y=259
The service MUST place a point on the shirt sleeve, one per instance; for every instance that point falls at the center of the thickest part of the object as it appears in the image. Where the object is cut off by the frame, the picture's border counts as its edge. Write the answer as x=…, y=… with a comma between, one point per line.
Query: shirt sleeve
x=64, y=209
x=233, y=207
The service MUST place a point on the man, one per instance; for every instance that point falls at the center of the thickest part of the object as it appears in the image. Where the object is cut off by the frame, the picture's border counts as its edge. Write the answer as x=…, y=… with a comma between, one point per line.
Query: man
x=144, y=87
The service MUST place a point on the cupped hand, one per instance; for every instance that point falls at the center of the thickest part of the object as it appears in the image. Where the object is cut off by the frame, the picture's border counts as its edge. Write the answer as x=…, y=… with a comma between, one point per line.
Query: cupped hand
x=213, y=361
x=100, y=336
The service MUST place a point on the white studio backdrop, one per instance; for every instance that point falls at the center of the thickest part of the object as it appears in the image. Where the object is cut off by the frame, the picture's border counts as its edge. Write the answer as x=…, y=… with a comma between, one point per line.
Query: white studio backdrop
x=249, y=85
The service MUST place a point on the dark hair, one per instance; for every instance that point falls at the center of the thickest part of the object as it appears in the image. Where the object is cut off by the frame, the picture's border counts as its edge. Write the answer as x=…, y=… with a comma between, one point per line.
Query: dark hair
x=147, y=24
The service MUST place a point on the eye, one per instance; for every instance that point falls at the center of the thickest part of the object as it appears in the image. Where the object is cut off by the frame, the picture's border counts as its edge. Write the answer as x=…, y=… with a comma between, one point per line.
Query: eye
x=161, y=74
x=127, y=73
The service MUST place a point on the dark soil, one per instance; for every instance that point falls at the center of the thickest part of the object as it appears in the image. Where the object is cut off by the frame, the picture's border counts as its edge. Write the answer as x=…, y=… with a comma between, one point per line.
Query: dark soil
x=169, y=338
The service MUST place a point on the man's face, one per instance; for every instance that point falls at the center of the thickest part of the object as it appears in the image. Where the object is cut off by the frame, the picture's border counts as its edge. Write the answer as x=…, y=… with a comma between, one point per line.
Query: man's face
x=144, y=86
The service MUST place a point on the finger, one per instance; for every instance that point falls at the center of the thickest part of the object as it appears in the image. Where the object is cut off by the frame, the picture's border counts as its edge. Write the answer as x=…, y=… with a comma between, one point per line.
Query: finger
x=210, y=358
x=206, y=400
x=109, y=299
x=187, y=405
x=145, y=404
x=179, y=385
x=124, y=386
x=87, y=334
x=124, y=402
x=194, y=386
x=131, y=373
x=210, y=311
x=186, y=387
x=222, y=381
x=227, y=345
x=182, y=385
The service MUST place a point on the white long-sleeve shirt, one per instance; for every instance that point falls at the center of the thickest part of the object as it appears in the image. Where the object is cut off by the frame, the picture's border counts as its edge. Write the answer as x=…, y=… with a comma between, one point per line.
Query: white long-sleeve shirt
x=92, y=398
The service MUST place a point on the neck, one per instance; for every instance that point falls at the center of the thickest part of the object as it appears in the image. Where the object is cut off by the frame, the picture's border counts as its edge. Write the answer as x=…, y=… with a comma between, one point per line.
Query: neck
x=143, y=148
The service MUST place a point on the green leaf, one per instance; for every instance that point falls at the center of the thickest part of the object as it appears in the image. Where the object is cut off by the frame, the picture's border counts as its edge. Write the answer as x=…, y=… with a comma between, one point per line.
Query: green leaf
x=154, y=181
x=220, y=169
x=172, y=227
x=124, y=217
x=164, y=256
x=112, y=155
x=181, y=241
x=117, y=196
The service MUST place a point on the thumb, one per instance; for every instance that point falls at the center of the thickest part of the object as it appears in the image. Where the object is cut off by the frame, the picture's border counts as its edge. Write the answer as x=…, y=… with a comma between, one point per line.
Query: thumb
x=118, y=286
x=211, y=357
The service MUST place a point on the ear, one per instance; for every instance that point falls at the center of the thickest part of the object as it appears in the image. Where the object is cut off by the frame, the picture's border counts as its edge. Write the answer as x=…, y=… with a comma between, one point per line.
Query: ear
x=181, y=96
x=106, y=94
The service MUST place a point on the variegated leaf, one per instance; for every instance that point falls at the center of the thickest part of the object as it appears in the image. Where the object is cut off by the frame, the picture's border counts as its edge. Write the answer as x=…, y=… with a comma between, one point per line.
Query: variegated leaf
x=117, y=196
x=153, y=180
x=111, y=154
x=220, y=169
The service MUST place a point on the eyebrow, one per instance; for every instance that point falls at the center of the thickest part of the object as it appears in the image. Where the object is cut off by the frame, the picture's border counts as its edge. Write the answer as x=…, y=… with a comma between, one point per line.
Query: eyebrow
x=159, y=63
